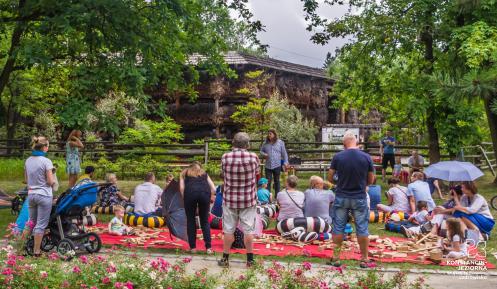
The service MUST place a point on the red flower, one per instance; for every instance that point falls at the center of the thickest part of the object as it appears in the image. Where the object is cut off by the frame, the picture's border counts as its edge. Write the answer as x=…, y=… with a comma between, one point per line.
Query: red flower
x=187, y=260
x=298, y=272
x=76, y=270
x=11, y=262
x=7, y=271
x=106, y=280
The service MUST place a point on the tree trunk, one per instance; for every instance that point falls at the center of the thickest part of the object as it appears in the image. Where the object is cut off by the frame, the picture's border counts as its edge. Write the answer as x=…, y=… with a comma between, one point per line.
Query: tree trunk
x=15, y=41
x=492, y=124
x=427, y=40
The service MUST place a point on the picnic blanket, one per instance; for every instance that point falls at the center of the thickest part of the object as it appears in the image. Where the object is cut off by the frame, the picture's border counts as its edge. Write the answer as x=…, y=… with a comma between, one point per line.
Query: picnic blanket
x=318, y=250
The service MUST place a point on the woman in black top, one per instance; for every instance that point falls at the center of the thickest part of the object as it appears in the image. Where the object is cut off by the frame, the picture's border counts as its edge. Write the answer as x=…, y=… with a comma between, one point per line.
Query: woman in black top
x=198, y=191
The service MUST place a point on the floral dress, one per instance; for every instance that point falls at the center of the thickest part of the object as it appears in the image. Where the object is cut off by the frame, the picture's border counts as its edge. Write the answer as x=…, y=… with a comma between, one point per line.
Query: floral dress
x=73, y=166
x=109, y=197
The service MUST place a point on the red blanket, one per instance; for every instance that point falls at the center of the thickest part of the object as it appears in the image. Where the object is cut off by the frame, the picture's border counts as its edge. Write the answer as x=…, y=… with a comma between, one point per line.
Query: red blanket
x=309, y=250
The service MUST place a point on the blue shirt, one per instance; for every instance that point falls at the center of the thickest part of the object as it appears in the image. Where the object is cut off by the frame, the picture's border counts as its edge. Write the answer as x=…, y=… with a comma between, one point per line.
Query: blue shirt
x=263, y=195
x=421, y=192
x=351, y=168
x=388, y=149
x=276, y=153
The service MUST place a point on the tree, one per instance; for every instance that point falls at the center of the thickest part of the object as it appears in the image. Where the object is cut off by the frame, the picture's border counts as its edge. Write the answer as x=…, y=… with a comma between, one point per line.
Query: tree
x=398, y=47
x=114, y=45
x=254, y=116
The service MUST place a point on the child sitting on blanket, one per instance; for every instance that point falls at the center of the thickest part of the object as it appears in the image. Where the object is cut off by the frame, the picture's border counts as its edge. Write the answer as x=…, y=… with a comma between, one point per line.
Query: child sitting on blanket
x=116, y=225
x=418, y=219
x=455, y=234
x=263, y=195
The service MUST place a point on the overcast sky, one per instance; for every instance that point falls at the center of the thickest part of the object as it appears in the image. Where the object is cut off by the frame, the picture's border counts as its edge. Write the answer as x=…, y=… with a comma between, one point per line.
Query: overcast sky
x=286, y=34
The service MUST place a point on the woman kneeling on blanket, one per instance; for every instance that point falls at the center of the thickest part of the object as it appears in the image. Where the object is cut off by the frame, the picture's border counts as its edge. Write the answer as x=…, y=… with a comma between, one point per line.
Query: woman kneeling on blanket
x=473, y=211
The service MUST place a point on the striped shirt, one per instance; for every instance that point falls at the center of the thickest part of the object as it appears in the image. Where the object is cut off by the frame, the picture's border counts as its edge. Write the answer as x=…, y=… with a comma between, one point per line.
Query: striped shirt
x=240, y=169
x=275, y=152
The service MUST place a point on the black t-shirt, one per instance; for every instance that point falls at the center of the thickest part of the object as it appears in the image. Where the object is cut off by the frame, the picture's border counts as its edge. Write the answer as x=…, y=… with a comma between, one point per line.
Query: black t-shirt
x=351, y=170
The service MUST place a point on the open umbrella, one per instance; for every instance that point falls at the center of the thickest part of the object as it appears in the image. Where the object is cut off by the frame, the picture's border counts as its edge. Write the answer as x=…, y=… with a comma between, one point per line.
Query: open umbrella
x=454, y=171
x=173, y=211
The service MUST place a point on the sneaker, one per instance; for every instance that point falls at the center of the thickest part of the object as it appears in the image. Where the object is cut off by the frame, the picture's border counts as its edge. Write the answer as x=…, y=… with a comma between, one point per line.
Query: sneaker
x=225, y=263
x=334, y=262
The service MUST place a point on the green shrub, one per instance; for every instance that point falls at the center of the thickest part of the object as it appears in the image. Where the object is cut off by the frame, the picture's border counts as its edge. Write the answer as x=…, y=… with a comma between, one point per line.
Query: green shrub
x=151, y=132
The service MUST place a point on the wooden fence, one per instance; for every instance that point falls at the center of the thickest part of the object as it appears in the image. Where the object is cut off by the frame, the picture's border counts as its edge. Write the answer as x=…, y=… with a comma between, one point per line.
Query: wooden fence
x=306, y=156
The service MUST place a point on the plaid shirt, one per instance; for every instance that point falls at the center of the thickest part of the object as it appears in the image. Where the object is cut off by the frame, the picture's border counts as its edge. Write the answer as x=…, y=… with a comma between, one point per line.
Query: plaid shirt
x=240, y=169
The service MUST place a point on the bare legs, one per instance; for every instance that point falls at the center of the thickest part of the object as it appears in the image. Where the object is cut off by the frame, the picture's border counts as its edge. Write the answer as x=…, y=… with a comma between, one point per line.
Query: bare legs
x=37, y=243
x=72, y=180
x=227, y=242
x=363, y=245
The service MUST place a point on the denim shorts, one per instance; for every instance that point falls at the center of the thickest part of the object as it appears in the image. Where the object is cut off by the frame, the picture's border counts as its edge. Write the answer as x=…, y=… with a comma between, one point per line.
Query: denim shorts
x=340, y=215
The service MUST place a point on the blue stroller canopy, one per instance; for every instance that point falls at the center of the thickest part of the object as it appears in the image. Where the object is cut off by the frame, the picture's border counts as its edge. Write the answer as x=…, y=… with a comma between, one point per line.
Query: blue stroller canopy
x=81, y=196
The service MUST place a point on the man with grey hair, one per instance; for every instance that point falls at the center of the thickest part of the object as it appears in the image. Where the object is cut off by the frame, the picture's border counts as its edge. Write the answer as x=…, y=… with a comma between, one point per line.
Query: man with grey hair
x=240, y=168
x=352, y=172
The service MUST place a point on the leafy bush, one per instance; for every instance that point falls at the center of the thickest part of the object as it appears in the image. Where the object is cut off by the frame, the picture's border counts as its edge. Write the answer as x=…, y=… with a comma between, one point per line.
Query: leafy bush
x=151, y=132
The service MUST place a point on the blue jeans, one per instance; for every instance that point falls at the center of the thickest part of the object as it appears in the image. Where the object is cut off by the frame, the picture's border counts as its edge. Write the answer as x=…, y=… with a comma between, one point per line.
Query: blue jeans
x=340, y=215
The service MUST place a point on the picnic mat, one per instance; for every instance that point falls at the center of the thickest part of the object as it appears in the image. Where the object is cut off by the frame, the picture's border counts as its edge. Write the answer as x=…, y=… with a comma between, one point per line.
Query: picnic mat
x=161, y=238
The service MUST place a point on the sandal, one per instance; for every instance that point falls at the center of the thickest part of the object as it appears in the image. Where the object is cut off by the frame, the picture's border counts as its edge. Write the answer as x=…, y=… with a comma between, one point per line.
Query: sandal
x=367, y=264
x=209, y=251
x=335, y=262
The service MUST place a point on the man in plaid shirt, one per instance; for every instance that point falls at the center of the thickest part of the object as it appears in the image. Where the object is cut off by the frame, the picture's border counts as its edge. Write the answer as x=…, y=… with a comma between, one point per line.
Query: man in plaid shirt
x=240, y=169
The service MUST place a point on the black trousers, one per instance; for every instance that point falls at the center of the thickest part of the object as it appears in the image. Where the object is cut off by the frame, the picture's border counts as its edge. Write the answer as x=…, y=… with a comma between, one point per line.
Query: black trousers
x=273, y=174
x=200, y=200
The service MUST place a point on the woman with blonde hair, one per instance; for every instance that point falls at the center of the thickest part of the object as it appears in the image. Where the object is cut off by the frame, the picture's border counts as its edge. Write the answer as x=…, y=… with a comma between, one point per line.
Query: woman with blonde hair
x=73, y=165
x=38, y=174
x=198, y=192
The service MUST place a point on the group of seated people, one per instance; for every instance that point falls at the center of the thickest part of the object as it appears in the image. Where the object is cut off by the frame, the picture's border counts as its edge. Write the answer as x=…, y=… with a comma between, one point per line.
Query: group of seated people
x=314, y=202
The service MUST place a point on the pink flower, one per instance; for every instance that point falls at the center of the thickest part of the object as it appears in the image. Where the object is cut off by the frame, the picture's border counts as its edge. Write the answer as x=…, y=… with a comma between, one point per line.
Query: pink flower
x=83, y=259
x=53, y=256
x=306, y=253
x=93, y=287
x=338, y=269
x=7, y=271
x=128, y=285
x=76, y=270
x=242, y=277
x=118, y=285
x=298, y=272
x=83, y=286
x=30, y=224
x=111, y=269
x=187, y=260
x=106, y=280
x=343, y=286
x=307, y=266
x=43, y=274
x=65, y=284
x=11, y=262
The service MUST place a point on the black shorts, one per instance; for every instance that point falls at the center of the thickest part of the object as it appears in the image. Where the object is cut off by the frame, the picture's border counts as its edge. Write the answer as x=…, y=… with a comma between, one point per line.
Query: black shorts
x=388, y=158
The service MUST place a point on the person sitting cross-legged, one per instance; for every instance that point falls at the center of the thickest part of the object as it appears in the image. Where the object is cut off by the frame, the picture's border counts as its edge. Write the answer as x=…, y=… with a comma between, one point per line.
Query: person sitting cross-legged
x=317, y=200
x=147, y=197
x=291, y=200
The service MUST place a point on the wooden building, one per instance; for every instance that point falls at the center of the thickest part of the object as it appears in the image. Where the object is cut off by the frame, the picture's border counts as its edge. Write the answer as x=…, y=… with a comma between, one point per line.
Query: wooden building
x=306, y=87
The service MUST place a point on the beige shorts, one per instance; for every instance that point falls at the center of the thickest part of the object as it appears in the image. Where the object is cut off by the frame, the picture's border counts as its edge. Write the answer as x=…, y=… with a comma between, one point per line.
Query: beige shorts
x=246, y=218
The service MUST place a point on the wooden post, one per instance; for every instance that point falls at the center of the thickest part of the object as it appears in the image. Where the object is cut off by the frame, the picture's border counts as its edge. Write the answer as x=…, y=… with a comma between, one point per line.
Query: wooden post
x=206, y=151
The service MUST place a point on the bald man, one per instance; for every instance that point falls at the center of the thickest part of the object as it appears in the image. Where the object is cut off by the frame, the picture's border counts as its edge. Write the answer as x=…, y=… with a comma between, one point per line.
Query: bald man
x=352, y=171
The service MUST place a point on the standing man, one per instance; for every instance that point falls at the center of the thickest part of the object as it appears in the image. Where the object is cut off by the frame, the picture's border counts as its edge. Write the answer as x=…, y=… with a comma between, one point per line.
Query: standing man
x=274, y=152
x=240, y=169
x=387, y=151
x=353, y=170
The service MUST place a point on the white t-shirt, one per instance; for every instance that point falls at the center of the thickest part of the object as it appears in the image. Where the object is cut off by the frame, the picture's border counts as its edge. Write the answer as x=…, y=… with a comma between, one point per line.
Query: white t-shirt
x=36, y=168
x=463, y=247
x=420, y=216
x=400, y=201
x=288, y=209
x=147, y=198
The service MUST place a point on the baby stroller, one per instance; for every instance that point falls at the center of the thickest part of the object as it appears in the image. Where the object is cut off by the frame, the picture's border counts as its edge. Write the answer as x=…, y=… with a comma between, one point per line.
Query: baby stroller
x=62, y=232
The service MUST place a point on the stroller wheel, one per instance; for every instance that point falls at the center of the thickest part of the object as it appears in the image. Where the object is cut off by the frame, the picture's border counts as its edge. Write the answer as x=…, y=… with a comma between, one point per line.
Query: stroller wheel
x=92, y=243
x=29, y=247
x=47, y=243
x=66, y=249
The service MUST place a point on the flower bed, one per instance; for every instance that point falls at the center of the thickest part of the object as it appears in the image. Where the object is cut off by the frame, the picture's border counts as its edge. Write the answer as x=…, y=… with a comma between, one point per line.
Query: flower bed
x=132, y=271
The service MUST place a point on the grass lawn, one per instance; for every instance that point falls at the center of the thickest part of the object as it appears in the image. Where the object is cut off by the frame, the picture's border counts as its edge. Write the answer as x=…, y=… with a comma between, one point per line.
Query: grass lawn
x=485, y=186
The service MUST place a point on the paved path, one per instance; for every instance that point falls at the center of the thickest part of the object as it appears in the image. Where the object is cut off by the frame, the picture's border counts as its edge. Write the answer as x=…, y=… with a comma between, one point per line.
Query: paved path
x=437, y=279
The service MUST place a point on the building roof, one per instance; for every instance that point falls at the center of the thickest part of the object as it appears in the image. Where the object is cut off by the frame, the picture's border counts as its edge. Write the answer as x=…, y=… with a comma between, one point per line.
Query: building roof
x=234, y=58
